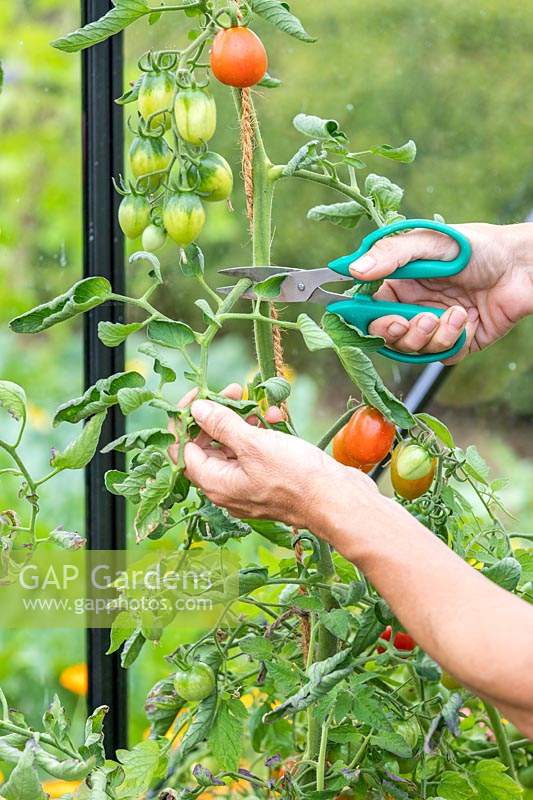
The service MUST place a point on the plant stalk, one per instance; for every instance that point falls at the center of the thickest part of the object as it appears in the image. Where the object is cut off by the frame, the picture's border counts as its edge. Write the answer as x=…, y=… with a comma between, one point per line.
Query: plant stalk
x=502, y=741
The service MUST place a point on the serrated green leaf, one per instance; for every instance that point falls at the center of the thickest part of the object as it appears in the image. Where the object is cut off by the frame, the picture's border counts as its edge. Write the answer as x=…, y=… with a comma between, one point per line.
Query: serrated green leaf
x=506, y=573
x=130, y=400
x=131, y=94
x=278, y=389
x=192, y=261
x=270, y=82
x=270, y=288
x=122, y=628
x=342, y=334
x=207, y=311
x=149, y=514
x=132, y=648
x=68, y=540
x=386, y=194
x=176, y=335
x=199, y=728
x=318, y=128
x=140, y=766
x=13, y=399
x=82, y=449
x=279, y=15
x=439, y=429
x=225, y=738
x=217, y=525
x=162, y=364
x=113, y=334
x=405, y=154
x=306, y=156
x=81, y=297
x=139, y=440
x=475, y=465
x=24, y=783
x=393, y=743
x=123, y=14
x=362, y=372
x=257, y=647
x=493, y=783
x=368, y=631
x=338, y=622
x=97, y=398
x=347, y=214
x=314, y=337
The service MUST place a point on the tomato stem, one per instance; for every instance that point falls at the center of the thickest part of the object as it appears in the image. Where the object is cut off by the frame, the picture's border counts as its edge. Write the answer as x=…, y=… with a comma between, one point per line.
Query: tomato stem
x=506, y=754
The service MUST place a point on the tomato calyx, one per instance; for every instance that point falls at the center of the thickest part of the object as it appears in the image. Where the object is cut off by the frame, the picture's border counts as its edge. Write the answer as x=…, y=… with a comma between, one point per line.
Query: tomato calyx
x=401, y=641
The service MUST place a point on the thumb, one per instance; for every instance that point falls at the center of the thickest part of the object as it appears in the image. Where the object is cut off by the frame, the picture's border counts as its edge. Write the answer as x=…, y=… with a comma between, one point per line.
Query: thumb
x=221, y=424
x=387, y=254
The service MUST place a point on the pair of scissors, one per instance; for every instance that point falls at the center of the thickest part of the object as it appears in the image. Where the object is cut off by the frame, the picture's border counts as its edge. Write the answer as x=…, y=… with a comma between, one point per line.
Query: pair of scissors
x=305, y=285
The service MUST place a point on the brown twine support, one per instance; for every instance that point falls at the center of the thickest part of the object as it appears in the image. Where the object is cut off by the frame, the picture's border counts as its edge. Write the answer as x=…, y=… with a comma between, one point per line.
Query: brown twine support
x=247, y=148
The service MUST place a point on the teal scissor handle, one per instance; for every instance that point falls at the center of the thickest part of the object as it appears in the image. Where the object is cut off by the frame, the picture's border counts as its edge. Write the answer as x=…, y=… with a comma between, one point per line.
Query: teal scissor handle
x=422, y=268
x=362, y=310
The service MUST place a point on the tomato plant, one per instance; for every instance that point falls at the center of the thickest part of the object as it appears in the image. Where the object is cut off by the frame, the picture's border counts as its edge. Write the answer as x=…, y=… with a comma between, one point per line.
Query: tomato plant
x=286, y=693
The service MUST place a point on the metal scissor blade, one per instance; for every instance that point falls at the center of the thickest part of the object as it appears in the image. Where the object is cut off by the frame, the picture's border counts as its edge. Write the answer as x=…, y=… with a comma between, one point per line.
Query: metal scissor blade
x=298, y=286
x=319, y=296
x=256, y=274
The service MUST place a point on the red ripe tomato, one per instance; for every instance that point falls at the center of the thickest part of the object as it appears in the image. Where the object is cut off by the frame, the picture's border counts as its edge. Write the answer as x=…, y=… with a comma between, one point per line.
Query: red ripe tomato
x=365, y=440
x=402, y=641
x=238, y=57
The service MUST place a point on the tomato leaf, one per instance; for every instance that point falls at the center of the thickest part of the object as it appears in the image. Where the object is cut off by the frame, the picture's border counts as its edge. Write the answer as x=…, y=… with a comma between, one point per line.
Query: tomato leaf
x=269, y=82
x=346, y=215
x=475, y=465
x=345, y=335
x=192, y=261
x=132, y=648
x=386, y=194
x=162, y=364
x=82, y=449
x=200, y=727
x=207, y=311
x=278, y=14
x=113, y=334
x=140, y=764
x=314, y=337
x=270, y=288
x=439, y=429
x=131, y=399
x=362, y=372
x=306, y=156
x=218, y=526
x=176, y=335
x=161, y=706
x=131, y=94
x=225, y=738
x=405, y=154
x=492, y=781
x=24, y=783
x=13, y=399
x=505, y=573
x=81, y=297
x=139, y=440
x=123, y=14
x=97, y=398
x=275, y=532
x=318, y=128
x=68, y=540
x=150, y=513
x=393, y=743
x=155, y=271
x=278, y=389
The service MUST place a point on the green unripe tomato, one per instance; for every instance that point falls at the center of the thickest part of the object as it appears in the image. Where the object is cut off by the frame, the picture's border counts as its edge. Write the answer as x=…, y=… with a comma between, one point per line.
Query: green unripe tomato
x=183, y=217
x=196, y=683
x=216, y=177
x=149, y=155
x=156, y=94
x=410, y=732
x=412, y=470
x=450, y=682
x=153, y=238
x=133, y=215
x=195, y=112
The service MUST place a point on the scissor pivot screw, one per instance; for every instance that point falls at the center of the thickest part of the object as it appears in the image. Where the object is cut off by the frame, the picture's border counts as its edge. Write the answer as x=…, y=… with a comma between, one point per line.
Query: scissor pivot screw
x=301, y=287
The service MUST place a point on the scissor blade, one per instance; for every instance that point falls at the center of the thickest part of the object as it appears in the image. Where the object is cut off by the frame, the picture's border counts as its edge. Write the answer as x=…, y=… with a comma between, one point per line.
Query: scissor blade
x=256, y=274
x=319, y=296
x=298, y=286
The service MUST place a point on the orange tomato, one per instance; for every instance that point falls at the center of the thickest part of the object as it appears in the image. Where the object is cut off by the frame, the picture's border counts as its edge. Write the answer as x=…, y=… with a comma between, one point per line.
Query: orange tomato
x=238, y=57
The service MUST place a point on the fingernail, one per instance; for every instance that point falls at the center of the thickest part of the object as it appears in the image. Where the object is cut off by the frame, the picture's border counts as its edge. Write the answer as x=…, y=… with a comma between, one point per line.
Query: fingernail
x=363, y=264
x=457, y=318
x=200, y=410
x=428, y=323
x=396, y=329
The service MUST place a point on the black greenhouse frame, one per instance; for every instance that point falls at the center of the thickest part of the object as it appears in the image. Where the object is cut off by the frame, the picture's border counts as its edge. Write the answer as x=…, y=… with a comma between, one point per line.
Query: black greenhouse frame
x=103, y=145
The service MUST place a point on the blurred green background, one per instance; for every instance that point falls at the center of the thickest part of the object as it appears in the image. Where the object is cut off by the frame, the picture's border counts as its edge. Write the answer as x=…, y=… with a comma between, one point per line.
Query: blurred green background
x=453, y=76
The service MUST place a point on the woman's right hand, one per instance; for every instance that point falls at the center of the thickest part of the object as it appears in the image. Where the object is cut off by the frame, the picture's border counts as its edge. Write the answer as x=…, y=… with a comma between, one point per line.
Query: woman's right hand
x=487, y=298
